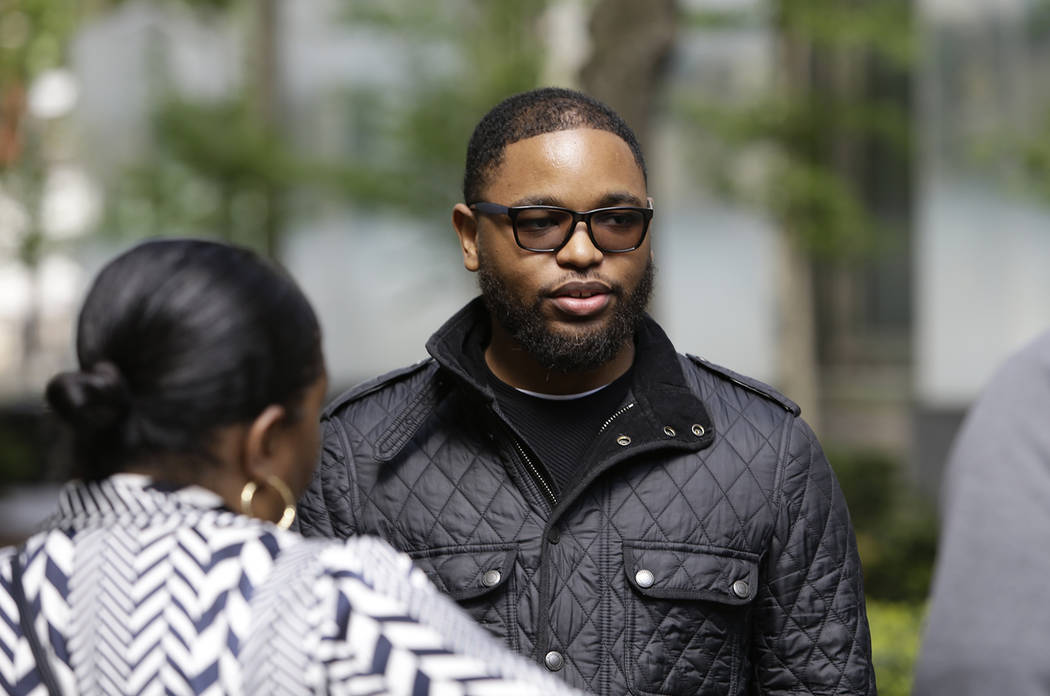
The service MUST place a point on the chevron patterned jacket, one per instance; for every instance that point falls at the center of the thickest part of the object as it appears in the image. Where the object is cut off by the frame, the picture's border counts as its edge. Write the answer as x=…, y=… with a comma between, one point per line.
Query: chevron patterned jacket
x=138, y=589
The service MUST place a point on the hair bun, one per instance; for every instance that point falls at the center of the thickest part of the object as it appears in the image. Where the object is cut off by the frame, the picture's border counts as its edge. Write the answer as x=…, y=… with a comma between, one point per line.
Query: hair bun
x=92, y=400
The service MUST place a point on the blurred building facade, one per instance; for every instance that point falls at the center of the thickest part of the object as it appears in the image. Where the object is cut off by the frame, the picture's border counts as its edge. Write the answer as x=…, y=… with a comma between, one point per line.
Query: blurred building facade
x=905, y=340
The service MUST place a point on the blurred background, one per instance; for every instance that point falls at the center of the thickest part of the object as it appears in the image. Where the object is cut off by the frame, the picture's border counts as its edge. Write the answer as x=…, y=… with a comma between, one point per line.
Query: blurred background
x=853, y=197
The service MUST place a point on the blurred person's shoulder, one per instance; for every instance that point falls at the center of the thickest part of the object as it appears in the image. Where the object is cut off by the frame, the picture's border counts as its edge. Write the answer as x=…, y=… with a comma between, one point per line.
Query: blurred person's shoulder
x=1023, y=376
x=1032, y=357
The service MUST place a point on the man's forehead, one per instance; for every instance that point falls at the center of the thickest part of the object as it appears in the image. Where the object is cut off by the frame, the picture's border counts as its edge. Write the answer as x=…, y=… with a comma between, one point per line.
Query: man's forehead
x=567, y=168
x=568, y=151
x=569, y=140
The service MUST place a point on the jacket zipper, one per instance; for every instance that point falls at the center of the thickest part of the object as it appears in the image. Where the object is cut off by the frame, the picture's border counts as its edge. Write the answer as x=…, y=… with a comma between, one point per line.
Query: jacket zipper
x=614, y=416
x=536, y=473
x=535, y=470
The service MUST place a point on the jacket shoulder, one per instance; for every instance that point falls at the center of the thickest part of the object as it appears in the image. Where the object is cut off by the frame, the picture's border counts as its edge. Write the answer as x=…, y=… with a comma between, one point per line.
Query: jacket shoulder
x=747, y=383
x=375, y=385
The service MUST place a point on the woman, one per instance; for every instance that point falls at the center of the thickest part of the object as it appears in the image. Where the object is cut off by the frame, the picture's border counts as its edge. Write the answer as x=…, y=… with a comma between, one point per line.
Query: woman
x=167, y=567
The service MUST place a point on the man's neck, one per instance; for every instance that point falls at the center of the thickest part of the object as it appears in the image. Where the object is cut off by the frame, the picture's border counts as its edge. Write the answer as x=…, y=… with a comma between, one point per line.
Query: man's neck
x=513, y=365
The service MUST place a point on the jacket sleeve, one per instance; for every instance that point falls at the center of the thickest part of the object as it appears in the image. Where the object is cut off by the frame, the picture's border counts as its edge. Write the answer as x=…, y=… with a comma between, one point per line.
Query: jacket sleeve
x=811, y=632
x=329, y=504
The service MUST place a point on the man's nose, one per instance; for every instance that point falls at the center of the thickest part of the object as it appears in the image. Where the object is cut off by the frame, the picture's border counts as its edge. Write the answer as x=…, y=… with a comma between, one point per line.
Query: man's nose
x=579, y=251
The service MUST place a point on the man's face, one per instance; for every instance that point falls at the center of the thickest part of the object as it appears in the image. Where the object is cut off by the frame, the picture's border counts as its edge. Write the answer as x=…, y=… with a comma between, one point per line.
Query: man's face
x=572, y=310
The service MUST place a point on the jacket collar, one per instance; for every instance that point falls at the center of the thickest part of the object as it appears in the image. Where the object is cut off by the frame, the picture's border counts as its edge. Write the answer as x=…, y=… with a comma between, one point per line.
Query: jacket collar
x=126, y=494
x=459, y=344
x=658, y=385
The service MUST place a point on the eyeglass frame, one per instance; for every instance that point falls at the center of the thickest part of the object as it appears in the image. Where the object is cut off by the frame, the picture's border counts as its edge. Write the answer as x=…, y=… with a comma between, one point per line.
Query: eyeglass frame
x=512, y=212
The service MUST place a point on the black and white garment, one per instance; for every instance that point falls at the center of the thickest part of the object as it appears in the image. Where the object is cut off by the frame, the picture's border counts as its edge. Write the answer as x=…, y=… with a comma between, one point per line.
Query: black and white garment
x=134, y=589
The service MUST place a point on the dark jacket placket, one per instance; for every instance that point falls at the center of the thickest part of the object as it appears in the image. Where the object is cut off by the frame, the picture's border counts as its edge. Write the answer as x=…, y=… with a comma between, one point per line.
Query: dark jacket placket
x=655, y=362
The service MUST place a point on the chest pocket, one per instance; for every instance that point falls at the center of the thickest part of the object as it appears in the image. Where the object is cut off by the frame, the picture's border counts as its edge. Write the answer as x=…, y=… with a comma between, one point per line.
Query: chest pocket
x=481, y=580
x=688, y=609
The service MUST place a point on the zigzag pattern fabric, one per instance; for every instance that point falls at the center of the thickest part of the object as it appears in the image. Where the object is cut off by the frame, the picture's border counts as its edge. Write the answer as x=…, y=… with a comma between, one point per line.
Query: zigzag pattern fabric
x=134, y=589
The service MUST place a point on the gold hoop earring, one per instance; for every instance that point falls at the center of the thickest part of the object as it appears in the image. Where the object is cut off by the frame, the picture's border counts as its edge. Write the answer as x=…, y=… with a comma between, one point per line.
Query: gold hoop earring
x=248, y=495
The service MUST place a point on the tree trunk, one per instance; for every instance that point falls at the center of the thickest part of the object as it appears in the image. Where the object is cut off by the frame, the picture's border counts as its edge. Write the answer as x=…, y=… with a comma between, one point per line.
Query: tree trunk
x=268, y=104
x=796, y=327
x=797, y=368
x=631, y=42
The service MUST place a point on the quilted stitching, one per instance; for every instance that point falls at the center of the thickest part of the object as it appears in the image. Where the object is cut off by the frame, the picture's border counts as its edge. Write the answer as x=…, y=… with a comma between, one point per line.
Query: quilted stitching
x=451, y=489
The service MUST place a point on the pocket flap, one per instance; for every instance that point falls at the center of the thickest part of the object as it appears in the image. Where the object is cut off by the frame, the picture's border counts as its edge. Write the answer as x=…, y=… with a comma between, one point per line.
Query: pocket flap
x=665, y=570
x=468, y=572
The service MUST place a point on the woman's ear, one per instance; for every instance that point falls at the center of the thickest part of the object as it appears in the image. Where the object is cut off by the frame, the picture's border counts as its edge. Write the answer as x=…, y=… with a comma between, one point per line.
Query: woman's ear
x=466, y=225
x=261, y=444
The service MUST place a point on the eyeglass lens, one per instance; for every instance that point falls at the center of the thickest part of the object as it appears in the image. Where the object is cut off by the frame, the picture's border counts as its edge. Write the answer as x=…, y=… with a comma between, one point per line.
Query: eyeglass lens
x=616, y=229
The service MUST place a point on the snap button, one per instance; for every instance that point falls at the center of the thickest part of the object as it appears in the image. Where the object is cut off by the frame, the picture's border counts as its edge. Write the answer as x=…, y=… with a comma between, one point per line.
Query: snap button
x=644, y=578
x=491, y=578
x=554, y=660
x=698, y=430
x=741, y=588
x=554, y=536
x=669, y=431
x=623, y=440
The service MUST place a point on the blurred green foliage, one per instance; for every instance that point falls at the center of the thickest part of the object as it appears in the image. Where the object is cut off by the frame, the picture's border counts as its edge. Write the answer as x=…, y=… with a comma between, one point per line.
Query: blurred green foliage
x=896, y=629
x=18, y=453
x=34, y=448
x=1020, y=161
x=209, y=172
x=1003, y=137
x=491, y=49
x=896, y=528
x=871, y=26
x=820, y=107
x=34, y=35
x=229, y=169
x=883, y=28
x=1035, y=158
x=895, y=524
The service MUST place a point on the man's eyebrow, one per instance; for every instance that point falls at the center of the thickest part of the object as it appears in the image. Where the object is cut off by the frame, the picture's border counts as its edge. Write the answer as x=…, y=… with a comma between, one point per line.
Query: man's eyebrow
x=611, y=199
x=539, y=200
x=620, y=198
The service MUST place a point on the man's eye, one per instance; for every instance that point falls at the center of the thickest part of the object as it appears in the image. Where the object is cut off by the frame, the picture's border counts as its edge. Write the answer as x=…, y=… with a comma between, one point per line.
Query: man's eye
x=536, y=223
x=618, y=217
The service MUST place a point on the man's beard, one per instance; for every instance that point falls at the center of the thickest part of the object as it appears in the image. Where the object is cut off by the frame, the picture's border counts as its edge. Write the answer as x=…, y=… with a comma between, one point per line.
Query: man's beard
x=569, y=351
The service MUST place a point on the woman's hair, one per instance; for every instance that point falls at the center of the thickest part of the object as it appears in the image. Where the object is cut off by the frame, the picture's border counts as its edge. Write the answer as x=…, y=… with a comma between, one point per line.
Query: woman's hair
x=177, y=338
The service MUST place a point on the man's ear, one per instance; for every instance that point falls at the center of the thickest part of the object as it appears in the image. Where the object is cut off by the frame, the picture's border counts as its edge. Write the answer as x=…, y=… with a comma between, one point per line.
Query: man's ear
x=466, y=225
x=261, y=442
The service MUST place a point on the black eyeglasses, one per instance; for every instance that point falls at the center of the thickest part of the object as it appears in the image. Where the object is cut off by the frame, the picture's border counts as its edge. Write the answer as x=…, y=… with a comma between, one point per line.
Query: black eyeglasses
x=549, y=228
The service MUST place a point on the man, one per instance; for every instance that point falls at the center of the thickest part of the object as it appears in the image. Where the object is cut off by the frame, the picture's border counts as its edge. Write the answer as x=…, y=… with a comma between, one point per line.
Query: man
x=636, y=520
x=990, y=605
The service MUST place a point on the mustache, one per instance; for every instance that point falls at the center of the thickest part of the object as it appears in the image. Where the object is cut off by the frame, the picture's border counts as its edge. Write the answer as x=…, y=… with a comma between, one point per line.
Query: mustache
x=550, y=288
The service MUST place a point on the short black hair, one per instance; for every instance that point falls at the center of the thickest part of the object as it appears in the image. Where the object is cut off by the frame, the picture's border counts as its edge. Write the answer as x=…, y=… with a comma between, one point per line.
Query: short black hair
x=177, y=338
x=532, y=113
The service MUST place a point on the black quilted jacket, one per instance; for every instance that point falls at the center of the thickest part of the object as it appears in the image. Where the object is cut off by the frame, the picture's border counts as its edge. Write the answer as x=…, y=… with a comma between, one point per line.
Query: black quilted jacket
x=706, y=550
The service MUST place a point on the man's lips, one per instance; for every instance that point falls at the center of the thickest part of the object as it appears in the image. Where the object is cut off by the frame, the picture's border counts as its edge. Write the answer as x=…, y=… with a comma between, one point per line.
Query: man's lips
x=581, y=299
